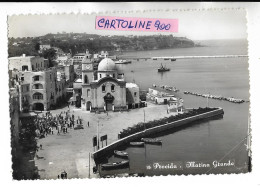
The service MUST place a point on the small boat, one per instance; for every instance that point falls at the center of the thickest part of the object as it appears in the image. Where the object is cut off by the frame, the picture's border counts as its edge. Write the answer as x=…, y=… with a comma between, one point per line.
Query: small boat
x=152, y=140
x=121, y=153
x=173, y=59
x=137, y=144
x=163, y=69
x=123, y=62
x=115, y=165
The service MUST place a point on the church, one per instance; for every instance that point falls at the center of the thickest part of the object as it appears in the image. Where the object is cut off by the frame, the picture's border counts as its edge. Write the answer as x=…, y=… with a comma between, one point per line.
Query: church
x=104, y=88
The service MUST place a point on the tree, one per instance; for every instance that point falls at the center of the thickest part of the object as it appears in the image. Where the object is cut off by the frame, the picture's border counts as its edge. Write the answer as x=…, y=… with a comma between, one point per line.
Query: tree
x=50, y=54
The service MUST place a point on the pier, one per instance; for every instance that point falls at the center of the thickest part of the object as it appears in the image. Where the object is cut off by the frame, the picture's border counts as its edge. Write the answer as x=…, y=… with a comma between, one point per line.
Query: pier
x=173, y=58
x=147, y=132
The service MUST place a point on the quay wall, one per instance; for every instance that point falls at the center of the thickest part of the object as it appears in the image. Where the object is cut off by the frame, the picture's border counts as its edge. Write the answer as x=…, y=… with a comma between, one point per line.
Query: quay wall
x=124, y=141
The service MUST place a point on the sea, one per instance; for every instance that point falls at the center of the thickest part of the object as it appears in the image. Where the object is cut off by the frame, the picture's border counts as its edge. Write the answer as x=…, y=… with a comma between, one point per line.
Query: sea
x=201, y=148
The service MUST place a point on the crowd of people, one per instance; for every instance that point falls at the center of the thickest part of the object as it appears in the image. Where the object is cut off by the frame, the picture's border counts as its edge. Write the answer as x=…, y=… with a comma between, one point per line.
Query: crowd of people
x=46, y=123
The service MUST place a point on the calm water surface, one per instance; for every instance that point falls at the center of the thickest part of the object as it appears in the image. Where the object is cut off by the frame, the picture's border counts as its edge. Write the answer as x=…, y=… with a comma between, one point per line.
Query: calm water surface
x=208, y=140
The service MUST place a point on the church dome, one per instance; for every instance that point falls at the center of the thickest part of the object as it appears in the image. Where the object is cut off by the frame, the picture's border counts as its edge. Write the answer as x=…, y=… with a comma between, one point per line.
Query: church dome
x=107, y=65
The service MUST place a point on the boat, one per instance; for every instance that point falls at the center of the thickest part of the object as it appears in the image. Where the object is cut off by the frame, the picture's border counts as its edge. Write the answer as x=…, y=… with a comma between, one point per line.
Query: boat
x=121, y=153
x=151, y=140
x=123, y=62
x=163, y=69
x=115, y=165
x=137, y=144
x=173, y=59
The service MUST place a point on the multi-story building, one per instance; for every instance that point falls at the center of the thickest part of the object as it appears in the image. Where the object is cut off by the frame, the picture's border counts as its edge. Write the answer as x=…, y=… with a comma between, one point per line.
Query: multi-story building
x=39, y=86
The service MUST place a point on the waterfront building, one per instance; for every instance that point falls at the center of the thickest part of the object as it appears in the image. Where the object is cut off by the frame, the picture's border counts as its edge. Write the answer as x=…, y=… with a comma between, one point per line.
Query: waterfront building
x=159, y=97
x=104, y=89
x=39, y=86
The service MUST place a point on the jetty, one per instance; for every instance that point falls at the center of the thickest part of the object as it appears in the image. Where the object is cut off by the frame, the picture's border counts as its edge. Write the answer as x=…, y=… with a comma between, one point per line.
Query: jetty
x=125, y=140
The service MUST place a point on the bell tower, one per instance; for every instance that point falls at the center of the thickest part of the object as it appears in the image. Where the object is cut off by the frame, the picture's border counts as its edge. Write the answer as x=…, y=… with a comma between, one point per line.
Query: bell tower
x=87, y=78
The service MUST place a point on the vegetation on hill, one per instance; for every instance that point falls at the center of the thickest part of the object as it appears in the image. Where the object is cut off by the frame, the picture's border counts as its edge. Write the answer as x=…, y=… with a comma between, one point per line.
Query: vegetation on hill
x=78, y=42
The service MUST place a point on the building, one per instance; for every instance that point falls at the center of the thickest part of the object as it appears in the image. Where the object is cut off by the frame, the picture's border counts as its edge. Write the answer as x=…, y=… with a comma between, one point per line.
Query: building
x=68, y=73
x=159, y=97
x=63, y=59
x=44, y=47
x=104, y=89
x=28, y=63
x=39, y=87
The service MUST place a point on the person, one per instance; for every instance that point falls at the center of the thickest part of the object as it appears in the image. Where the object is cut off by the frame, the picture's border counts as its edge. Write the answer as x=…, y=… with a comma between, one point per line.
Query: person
x=65, y=174
x=62, y=175
x=58, y=176
x=40, y=146
x=88, y=123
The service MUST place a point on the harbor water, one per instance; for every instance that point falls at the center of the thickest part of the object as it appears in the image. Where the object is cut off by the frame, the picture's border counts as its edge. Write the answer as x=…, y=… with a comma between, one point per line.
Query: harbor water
x=207, y=141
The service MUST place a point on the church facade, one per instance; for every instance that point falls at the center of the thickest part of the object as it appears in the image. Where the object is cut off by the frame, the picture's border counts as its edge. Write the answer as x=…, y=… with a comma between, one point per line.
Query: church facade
x=105, y=89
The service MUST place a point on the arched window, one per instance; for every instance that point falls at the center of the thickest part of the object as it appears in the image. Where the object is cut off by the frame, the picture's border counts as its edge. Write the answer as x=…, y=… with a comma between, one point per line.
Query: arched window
x=37, y=96
x=112, y=88
x=38, y=86
x=100, y=76
x=86, y=79
x=103, y=88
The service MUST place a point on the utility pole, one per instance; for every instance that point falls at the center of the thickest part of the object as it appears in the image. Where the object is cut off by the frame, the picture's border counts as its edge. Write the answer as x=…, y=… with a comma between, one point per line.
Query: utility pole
x=98, y=136
x=144, y=116
x=89, y=165
x=208, y=100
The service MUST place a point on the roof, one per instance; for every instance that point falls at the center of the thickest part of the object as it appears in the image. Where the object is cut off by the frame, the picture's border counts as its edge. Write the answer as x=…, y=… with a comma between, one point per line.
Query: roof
x=21, y=57
x=131, y=85
x=79, y=80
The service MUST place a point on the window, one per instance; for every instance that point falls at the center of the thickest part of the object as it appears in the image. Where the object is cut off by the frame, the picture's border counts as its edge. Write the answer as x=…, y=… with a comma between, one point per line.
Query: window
x=113, y=75
x=36, y=78
x=112, y=88
x=135, y=94
x=88, y=93
x=22, y=78
x=27, y=88
x=24, y=68
x=103, y=88
x=100, y=76
x=37, y=96
x=32, y=67
x=86, y=79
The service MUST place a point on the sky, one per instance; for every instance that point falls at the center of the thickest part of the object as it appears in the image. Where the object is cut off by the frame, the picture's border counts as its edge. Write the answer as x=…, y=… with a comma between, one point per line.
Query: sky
x=195, y=25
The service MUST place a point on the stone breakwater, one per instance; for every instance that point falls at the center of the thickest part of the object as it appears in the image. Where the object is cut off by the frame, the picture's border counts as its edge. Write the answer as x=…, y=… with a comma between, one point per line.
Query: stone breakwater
x=156, y=129
x=230, y=99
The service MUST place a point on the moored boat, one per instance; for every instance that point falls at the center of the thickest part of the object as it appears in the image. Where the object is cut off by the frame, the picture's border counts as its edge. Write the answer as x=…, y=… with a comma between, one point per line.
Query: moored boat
x=173, y=59
x=151, y=140
x=115, y=165
x=137, y=144
x=121, y=153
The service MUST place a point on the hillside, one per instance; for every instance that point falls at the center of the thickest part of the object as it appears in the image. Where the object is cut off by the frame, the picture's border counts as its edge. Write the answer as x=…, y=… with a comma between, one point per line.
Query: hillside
x=79, y=42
